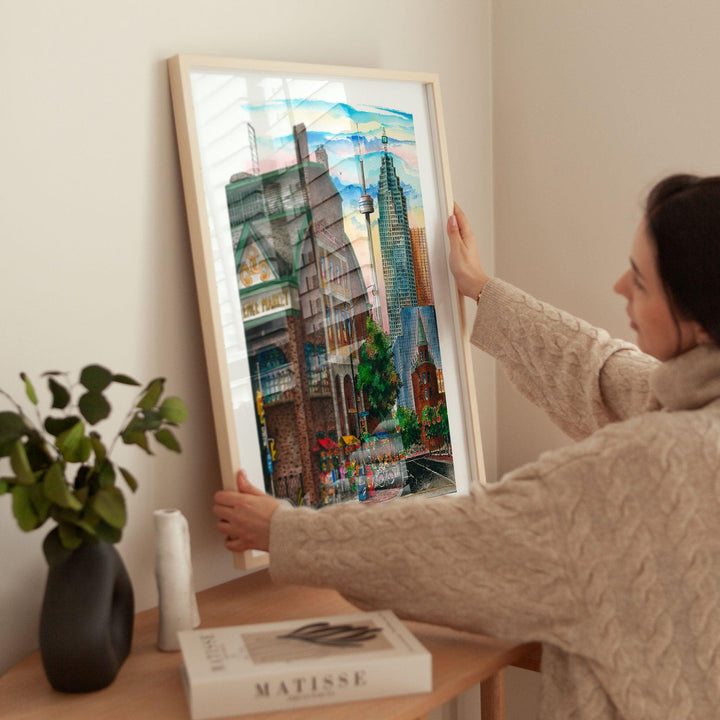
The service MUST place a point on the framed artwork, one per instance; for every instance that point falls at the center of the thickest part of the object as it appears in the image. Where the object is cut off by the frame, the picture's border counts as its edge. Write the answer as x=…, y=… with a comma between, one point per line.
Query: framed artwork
x=335, y=341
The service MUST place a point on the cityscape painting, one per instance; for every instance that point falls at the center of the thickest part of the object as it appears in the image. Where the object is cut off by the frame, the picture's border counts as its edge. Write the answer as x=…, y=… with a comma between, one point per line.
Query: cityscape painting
x=325, y=218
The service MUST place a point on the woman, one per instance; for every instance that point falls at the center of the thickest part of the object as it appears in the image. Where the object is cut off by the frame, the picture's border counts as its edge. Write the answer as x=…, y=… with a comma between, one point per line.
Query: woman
x=606, y=551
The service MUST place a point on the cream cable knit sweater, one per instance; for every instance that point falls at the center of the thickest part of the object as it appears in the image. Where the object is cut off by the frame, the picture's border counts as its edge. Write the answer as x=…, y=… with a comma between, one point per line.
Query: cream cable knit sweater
x=606, y=551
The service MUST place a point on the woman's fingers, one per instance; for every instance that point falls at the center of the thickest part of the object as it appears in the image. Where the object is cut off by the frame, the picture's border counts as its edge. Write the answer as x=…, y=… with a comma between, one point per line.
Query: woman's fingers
x=462, y=223
x=244, y=515
x=464, y=258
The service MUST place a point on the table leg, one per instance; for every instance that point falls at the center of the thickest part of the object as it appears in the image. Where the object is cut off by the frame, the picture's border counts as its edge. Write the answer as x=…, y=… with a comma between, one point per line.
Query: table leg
x=492, y=697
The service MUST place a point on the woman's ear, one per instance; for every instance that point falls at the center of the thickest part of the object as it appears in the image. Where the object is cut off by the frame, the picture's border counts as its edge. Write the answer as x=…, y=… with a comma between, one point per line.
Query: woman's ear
x=700, y=335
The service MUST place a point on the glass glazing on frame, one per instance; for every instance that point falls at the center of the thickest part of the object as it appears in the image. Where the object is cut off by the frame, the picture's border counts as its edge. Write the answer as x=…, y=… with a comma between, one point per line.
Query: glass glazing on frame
x=314, y=188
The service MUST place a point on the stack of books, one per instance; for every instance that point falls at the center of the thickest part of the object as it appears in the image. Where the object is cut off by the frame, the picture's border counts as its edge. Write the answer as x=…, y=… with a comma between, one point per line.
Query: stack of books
x=298, y=663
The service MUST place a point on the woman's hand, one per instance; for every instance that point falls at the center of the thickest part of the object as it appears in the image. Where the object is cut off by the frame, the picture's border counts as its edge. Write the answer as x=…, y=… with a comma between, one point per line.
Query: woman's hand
x=464, y=258
x=244, y=516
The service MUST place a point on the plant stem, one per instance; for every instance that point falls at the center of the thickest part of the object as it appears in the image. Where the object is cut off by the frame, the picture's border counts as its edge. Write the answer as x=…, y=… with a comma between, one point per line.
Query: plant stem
x=13, y=401
x=126, y=421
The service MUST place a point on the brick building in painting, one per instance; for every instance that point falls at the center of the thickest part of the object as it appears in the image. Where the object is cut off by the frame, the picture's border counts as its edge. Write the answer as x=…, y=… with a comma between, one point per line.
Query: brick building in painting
x=417, y=360
x=304, y=306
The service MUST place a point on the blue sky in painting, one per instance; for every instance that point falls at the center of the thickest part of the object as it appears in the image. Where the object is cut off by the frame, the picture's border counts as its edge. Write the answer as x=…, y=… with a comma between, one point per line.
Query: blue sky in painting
x=344, y=131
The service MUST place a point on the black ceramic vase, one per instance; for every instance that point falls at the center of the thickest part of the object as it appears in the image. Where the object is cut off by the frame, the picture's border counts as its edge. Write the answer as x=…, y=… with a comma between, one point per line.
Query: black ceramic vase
x=86, y=621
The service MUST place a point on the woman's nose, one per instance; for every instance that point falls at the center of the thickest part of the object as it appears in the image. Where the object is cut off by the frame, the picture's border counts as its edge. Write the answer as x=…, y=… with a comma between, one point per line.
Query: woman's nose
x=621, y=287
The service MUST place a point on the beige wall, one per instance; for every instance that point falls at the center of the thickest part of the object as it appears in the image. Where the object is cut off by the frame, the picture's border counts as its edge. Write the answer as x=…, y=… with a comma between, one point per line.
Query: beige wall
x=95, y=263
x=592, y=102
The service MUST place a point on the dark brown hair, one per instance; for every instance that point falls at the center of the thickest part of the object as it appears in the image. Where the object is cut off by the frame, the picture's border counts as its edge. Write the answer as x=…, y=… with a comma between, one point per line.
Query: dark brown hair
x=683, y=220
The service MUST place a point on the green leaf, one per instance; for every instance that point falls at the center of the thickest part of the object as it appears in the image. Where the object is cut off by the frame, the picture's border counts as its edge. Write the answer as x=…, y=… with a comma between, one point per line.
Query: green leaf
x=29, y=389
x=98, y=448
x=94, y=406
x=57, y=490
x=22, y=508
x=21, y=465
x=96, y=377
x=69, y=439
x=37, y=453
x=6, y=448
x=108, y=533
x=152, y=394
x=83, y=525
x=60, y=394
x=129, y=479
x=166, y=438
x=149, y=420
x=60, y=515
x=125, y=380
x=82, y=494
x=106, y=477
x=81, y=482
x=70, y=537
x=86, y=523
x=55, y=553
x=74, y=445
x=91, y=517
x=130, y=436
x=5, y=484
x=109, y=504
x=39, y=502
x=56, y=426
x=12, y=427
x=173, y=410
x=85, y=449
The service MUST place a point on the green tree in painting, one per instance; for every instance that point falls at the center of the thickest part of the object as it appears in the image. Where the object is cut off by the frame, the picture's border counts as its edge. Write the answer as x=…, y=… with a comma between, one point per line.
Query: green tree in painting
x=409, y=426
x=376, y=372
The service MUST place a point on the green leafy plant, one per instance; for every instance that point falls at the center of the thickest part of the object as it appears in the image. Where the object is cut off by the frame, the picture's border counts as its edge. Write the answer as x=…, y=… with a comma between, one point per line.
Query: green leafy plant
x=61, y=469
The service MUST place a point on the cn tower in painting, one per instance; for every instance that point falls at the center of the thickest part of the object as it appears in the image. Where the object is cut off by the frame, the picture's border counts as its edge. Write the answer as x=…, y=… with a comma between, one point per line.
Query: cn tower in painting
x=366, y=207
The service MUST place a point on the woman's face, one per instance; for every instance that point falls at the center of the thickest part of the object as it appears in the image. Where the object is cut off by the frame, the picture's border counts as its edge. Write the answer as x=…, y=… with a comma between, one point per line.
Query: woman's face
x=658, y=334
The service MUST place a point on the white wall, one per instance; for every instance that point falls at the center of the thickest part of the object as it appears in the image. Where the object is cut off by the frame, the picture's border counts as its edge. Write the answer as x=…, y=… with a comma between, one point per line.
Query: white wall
x=592, y=103
x=95, y=263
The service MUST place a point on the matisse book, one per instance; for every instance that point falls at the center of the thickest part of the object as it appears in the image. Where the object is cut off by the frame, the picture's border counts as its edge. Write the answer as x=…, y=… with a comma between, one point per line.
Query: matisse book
x=299, y=663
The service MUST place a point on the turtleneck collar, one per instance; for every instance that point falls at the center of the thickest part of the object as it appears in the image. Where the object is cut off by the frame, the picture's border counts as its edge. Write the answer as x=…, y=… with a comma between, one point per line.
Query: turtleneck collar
x=688, y=381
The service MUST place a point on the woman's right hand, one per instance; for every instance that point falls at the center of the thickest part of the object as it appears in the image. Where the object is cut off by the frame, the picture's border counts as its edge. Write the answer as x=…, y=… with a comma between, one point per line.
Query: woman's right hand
x=464, y=258
x=244, y=516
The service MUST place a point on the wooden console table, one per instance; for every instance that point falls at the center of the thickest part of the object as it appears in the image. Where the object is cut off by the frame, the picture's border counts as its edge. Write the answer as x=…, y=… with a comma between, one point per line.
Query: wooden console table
x=149, y=687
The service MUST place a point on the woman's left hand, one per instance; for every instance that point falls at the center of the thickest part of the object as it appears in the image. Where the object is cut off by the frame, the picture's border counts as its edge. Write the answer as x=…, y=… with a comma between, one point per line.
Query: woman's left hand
x=464, y=259
x=244, y=516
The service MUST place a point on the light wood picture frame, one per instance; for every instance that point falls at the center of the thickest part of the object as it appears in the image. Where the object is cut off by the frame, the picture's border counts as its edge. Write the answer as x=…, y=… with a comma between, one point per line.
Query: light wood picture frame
x=336, y=345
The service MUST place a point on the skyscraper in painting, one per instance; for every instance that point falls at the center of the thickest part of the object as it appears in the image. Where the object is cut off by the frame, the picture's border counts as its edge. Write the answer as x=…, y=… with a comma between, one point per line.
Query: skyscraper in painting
x=395, y=245
x=421, y=266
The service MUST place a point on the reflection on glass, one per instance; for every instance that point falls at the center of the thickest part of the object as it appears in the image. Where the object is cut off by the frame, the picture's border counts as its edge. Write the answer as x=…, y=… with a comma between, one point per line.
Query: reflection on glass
x=329, y=250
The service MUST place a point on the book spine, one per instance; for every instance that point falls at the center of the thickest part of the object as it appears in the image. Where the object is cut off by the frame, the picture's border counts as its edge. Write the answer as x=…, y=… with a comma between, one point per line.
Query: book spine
x=295, y=688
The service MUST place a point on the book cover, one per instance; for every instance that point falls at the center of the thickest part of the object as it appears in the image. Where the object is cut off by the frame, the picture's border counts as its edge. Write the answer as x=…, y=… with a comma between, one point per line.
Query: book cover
x=298, y=663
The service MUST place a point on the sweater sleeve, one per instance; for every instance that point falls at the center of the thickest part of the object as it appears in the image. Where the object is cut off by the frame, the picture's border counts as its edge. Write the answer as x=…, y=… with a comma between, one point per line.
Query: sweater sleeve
x=577, y=373
x=487, y=562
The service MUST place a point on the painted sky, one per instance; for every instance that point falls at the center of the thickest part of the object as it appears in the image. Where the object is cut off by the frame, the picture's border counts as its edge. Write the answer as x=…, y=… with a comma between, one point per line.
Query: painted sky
x=345, y=131
x=343, y=125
